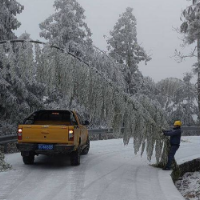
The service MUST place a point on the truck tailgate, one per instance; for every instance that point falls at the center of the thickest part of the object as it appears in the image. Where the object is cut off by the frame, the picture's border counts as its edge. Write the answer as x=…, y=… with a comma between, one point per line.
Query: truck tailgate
x=44, y=133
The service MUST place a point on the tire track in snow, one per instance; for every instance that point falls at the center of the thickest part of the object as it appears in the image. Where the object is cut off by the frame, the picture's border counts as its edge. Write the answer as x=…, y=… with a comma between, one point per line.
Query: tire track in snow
x=107, y=172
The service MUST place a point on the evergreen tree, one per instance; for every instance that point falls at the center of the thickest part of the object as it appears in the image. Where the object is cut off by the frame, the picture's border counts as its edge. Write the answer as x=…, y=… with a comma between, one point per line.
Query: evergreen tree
x=124, y=48
x=8, y=21
x=66, y=28
x=123, y=43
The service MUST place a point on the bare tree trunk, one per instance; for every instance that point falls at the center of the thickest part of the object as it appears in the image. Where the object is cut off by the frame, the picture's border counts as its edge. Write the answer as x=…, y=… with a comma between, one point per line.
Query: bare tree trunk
x=198, y=79
x=198, y=60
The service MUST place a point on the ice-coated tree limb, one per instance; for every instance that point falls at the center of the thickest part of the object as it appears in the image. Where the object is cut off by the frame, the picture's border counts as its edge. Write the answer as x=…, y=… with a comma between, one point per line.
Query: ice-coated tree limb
x=179, y=56
x=95, y=90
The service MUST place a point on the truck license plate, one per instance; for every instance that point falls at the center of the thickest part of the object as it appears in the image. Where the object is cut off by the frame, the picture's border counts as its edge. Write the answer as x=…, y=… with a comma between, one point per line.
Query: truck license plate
x=45, y=146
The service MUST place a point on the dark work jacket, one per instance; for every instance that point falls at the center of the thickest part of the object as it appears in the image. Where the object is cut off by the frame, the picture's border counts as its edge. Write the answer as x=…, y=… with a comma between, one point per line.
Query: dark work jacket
x=175, y=135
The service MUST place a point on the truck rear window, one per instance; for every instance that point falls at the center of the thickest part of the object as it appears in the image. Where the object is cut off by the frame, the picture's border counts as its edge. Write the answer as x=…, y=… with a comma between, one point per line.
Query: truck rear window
x=53, y=116
x=50, y=117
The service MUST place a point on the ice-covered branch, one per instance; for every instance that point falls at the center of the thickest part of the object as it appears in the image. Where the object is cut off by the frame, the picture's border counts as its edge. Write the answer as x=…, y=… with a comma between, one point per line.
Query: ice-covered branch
x=97, y=86
x=179, y=56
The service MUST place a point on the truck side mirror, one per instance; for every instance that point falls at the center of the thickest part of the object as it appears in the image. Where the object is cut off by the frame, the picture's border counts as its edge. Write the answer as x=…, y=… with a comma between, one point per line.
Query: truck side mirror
x=86, y=123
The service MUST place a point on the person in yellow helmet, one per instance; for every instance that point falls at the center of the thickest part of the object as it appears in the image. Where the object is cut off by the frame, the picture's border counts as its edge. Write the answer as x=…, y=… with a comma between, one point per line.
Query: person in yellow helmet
x=175, y=138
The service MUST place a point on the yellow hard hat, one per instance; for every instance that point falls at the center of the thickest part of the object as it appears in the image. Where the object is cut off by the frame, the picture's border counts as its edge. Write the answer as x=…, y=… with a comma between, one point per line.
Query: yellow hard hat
x=177, y=123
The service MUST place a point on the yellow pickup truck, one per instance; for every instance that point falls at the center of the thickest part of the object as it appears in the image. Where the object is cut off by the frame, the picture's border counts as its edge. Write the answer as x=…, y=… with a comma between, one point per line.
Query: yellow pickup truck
x=53, y=132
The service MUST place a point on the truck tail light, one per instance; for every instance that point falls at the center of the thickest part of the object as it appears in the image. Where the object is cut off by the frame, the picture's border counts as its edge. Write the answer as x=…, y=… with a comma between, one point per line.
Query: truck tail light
x=19, y=133
x=71, y=135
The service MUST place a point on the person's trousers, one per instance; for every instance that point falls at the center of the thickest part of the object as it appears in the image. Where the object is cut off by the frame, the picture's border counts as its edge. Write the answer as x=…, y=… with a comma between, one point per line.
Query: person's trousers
x=171, y=154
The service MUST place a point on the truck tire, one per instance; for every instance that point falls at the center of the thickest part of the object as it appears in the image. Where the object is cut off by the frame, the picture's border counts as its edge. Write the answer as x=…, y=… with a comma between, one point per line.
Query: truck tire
x=75, y=157
x=28, y=160
x=87, y=148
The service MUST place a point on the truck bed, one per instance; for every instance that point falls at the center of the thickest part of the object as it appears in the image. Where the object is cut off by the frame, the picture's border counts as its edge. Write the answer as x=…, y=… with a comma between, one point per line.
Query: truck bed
x=45, y=133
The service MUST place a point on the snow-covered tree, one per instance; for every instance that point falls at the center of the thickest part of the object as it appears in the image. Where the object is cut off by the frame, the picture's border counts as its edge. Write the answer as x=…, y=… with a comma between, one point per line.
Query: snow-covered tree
x=179, y=99
x=190, y=28
x=149, y=88
x=93, y=88
x=8, y=21
x=124, y=48
x=67, y=28
x=185, y=101
x=25, y=58
x=71, y=83
x=167, y=88
x=20, y=94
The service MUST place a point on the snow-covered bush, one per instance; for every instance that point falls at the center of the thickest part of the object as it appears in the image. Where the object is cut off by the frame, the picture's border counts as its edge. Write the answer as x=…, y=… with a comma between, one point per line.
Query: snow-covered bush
x=3, y=165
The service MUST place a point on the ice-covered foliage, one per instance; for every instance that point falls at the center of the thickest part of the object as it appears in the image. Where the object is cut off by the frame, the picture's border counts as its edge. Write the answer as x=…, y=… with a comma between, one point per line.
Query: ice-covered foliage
x=19, y=94
x=123, y=43
x=167, y=88
x=93, y=88
x=190, y=28
x=8, y=21
x=124, y=48
x=66, y=27
x=98, y=91
x=186, y=101
x=149, y=88
x=179, y=99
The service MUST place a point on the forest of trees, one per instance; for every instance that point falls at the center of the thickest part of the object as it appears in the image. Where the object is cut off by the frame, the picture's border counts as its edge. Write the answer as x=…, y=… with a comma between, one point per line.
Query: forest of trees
x=68, y=72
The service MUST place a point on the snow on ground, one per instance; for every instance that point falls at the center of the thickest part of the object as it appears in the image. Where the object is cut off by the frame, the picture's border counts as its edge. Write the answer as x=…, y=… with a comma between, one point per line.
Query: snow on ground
x=189, y=149
x=110, y=171
x=189, y=185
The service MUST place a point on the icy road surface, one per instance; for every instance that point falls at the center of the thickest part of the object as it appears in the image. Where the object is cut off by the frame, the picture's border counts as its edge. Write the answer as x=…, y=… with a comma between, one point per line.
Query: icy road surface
x=110, y=171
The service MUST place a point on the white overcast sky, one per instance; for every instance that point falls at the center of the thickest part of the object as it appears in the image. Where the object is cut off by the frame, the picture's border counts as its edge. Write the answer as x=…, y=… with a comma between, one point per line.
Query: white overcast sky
x=155, y=22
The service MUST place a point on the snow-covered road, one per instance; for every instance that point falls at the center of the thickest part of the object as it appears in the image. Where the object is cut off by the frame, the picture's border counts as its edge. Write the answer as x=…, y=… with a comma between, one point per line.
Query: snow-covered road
x=110, y=171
